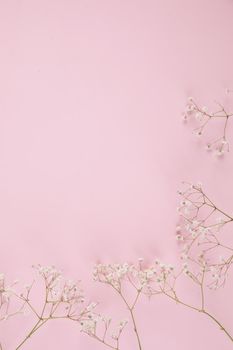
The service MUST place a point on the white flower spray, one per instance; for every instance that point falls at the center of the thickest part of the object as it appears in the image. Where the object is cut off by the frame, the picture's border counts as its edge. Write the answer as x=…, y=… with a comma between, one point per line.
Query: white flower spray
x=203, y=117
x=62, y=299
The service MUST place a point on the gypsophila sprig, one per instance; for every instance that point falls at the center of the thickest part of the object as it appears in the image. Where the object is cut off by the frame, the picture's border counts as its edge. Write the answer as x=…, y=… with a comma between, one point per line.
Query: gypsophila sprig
x=199, y=233
x=8, y=303
x=138, y=277
x=99, y=328
x=61, y=299
x=114, y=275
x=203, y=117
x=198, y=236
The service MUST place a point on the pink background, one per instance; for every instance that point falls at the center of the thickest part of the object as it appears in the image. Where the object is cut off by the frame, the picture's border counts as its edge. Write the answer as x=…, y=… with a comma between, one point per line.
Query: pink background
x=92, y=148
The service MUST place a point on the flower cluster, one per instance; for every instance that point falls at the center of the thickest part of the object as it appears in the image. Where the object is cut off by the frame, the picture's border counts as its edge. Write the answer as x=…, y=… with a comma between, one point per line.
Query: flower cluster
x=99, y=328
x=220, y=145
x=8, y=304
x=140, y=277
x=63, y=298
x=61, y=292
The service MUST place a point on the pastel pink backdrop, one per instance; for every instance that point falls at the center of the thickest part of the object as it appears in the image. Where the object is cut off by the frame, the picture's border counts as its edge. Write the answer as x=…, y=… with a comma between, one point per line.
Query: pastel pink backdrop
x=92, y=148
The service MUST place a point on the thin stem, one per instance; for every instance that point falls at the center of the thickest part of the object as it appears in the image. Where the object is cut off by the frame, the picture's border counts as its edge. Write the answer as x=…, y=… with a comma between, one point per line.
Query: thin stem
x=202, y=311
x=219, y=324
x=29, y=335
x=131, y=308
x=135, y=329
x=105, y=343
x=213, y=205
x=38, y=324
x=202, y=291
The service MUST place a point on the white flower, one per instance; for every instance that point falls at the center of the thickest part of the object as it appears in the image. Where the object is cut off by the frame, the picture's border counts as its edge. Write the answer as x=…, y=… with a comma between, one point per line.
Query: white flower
x=204, y=109
x=199, y=116
x=91, y=306
x=88, y=326
x=179, y=237
x=122, y=324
